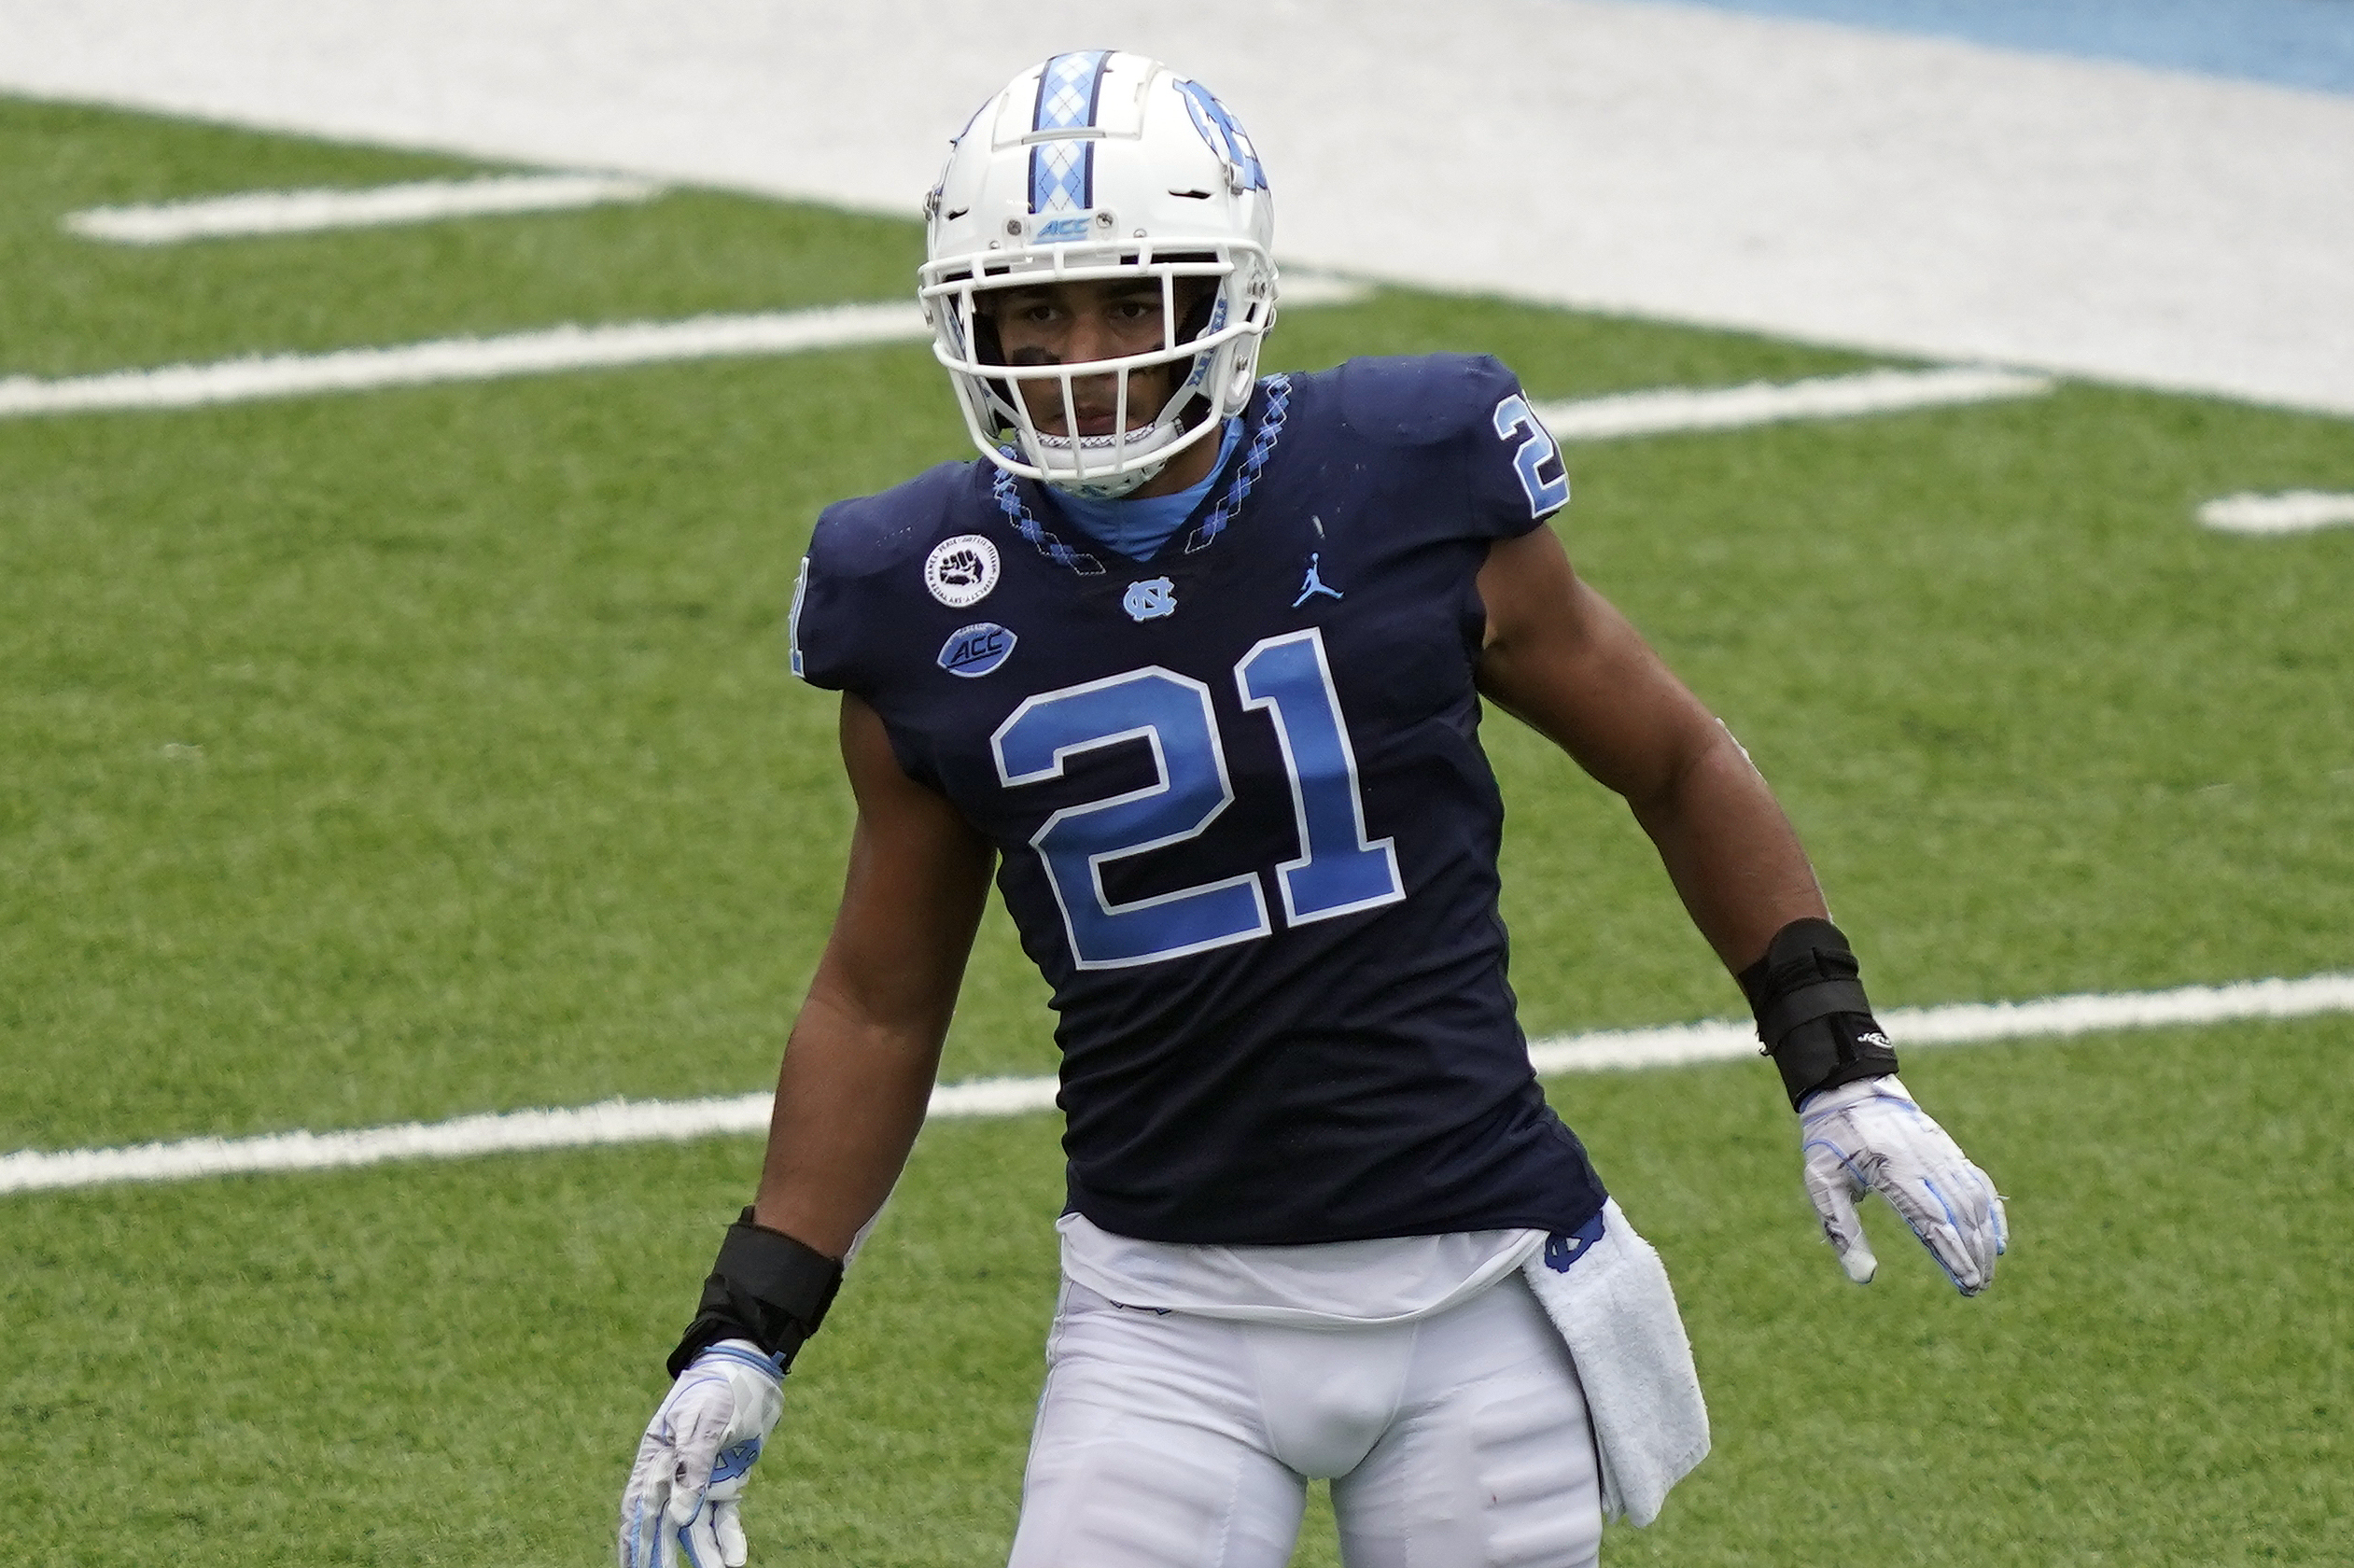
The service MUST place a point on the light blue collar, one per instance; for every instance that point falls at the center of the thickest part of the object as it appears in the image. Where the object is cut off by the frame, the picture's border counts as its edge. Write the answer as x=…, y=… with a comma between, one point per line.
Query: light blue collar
x=1138, y=528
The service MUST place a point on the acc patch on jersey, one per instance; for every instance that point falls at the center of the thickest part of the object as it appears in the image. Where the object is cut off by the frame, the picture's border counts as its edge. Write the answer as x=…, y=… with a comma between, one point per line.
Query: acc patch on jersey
x=961, y=571
x=976, y=650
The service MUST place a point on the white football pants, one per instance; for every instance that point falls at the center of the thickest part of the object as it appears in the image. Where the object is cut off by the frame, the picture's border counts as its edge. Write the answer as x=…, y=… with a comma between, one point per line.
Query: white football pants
x=1167, y=1440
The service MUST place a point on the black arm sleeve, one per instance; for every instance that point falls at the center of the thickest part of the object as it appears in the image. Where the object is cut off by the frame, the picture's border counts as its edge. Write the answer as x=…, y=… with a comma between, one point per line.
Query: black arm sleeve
x=1813, y=1017
x=765, y=1287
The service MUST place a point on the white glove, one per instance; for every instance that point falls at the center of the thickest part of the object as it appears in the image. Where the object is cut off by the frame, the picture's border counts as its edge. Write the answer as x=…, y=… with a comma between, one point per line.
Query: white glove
x=1870, y=1136
x=679, y=1506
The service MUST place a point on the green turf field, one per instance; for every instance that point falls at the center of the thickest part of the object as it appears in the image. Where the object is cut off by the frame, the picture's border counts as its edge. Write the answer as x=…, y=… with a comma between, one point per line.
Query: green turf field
x=405, y=754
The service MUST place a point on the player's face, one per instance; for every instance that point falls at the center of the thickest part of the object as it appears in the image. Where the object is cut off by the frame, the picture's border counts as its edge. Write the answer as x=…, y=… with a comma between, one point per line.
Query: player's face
x=1072, y=323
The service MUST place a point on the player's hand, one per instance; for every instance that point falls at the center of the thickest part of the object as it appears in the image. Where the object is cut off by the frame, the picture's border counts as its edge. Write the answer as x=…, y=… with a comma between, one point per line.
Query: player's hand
x=679, y=1506
x=1870, y=1136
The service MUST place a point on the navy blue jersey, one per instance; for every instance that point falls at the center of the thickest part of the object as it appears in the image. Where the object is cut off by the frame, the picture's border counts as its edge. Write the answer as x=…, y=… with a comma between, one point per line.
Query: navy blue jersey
x=1247, y=831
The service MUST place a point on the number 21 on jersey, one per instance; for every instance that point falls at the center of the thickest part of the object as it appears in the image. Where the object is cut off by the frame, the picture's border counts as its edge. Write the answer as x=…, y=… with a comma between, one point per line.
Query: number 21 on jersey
x=1335, y=873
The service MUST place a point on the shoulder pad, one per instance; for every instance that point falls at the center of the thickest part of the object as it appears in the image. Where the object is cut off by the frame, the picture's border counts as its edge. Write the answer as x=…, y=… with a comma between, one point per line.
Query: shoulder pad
x=1422, y=400
x=861, y=537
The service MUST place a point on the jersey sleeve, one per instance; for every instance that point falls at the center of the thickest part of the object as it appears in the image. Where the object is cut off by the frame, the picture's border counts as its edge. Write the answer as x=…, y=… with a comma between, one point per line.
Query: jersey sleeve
x=1470, y=410
x=1512, y=465
x=840, y=627
x=822, y=631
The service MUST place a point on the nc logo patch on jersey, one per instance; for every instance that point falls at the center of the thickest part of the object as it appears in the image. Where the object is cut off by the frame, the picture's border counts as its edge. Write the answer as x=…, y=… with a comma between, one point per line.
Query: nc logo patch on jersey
x=1151, y=599
x=974, y=651
x=961, y=571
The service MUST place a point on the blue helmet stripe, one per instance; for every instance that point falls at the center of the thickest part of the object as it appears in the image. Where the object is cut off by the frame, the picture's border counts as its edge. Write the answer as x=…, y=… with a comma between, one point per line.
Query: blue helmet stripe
x=1062, y=173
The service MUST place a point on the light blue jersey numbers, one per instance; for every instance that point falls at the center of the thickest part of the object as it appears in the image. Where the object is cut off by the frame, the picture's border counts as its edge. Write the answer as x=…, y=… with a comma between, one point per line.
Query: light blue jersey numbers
x=1539, y=461
x=1337, y=872
x=1171, y=712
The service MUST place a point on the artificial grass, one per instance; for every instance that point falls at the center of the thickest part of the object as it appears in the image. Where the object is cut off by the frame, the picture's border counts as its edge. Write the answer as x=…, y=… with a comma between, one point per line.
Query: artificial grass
x=409, y=754
x=401, y=755
x=2041, y=731
x=78, y=306
x=449, y=1364
x=431, y=751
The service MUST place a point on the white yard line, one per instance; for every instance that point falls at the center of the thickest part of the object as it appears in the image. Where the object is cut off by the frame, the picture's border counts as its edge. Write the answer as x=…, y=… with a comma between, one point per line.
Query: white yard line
x=557, y=348
x=676, y=1121
x=2292, y=512
x=1967, y=1023
x=516, y=353
x=303, y=212
x=1729, y=408
x=1916, y=197
x=705, y=337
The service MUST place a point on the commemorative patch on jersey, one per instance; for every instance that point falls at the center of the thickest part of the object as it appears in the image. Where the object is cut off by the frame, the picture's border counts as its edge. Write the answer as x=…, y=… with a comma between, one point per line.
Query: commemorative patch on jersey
x=976, y=650
x=961, y=571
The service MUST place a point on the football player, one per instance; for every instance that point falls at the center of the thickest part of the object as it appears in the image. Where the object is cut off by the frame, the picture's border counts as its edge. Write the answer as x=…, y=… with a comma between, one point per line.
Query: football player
x=1195, y=660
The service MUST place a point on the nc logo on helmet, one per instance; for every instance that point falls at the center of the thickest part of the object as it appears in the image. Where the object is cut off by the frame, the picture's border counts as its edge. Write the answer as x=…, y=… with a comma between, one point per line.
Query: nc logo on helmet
x=1225, y=134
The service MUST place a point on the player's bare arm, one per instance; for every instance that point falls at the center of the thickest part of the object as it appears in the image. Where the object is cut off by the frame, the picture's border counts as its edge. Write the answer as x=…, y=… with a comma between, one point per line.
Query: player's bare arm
x=850, y=1096
x=859, y=1069
x=1560, y=658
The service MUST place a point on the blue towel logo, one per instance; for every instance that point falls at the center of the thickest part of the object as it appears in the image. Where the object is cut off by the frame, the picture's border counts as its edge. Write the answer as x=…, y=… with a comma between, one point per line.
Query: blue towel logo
x=1563, y=1248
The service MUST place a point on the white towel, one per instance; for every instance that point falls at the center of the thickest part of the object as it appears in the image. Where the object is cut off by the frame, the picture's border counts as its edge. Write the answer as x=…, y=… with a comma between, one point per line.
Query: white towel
x=1607, y=1290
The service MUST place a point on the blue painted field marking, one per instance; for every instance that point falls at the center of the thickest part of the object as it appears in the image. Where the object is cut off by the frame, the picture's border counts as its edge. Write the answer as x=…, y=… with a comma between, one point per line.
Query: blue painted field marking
x=2307, y=44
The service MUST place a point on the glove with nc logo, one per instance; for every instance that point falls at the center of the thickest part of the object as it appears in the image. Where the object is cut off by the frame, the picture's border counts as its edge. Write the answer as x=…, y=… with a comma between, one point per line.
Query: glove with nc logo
x=681, y=1503
x=765, y=1295
x=1859, y=1130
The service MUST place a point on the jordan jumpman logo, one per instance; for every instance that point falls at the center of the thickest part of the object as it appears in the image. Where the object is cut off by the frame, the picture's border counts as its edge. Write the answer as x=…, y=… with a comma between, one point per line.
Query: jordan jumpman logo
x=1313, y=586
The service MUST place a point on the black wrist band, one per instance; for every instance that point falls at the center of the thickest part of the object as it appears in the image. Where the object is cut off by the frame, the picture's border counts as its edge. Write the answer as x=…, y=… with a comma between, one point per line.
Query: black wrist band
x=765, y=1287
x=1813, y=1017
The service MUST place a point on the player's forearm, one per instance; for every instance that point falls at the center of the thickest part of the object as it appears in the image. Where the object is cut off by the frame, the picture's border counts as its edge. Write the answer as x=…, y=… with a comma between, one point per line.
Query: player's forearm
x=1730, y=851
x=850, y=1097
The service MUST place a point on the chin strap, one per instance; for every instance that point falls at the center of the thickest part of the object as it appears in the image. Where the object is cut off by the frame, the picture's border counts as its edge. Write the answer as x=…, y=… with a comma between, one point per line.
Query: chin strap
x=765, y=1287
x=1813, y=1017
x=1118, y=486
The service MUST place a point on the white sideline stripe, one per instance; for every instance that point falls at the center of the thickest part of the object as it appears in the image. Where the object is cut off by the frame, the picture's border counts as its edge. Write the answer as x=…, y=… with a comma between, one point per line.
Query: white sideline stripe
x=537, y=353
x=1760, y=402
x=1964, y=1023
x=555, y=348
x=2292, y=512
x=676, y=1121
x=302, y=212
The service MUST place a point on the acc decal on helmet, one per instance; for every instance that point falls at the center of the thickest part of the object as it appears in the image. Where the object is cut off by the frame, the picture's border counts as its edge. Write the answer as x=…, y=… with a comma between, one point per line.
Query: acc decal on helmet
x=1095, y=165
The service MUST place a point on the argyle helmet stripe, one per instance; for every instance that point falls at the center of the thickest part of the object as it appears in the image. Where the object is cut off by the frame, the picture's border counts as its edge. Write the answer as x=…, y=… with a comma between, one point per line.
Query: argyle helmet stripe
x=1062, y=173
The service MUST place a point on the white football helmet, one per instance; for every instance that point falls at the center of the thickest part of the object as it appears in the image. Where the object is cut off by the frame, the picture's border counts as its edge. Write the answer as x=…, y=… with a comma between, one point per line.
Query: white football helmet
x=1092, y=166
